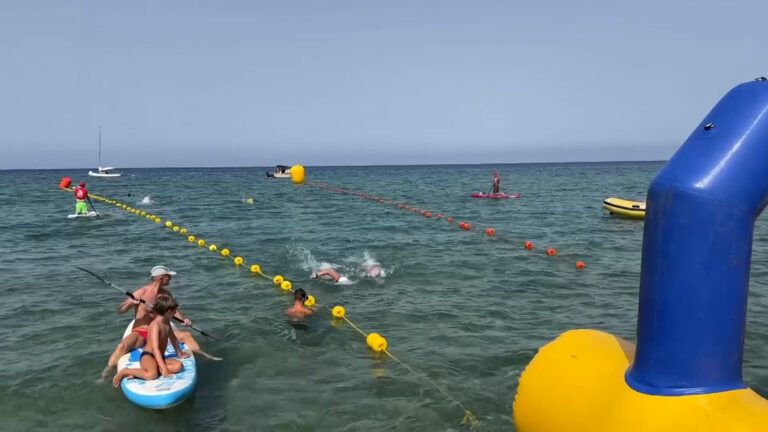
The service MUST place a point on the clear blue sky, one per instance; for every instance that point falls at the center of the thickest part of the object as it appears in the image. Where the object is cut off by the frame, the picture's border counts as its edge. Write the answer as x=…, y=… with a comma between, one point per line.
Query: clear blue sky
x=332, y=82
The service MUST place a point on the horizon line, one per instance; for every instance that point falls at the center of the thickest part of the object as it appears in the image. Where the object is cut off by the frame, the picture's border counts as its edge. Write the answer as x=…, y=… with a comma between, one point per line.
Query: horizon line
x=342, y=166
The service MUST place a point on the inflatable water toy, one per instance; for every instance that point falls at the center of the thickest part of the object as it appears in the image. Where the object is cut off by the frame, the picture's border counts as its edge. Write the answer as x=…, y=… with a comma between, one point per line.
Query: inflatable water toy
x=625, y=208
x=500, y=195
x=685, y=372
x=90, y=214
x=163, y=392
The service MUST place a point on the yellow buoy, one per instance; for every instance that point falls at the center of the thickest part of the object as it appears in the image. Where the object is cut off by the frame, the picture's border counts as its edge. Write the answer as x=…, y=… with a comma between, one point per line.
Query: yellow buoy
x=212, y=248
x=278, y=280
x=176, y=228
x=201, y=242
x=183, y=231
x=249, y=200
x=158, y=220
x=255, y=268
x=297, y=174
x=225, y=252
x=191, y=239
x=168, y=224
x=286, y=285
x=338, y=311
x=238, y=261
x=143, y=213
x=376, y=342
x=310, y=301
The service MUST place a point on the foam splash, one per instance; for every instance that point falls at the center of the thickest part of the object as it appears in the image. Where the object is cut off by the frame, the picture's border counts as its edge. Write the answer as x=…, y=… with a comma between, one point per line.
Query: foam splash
x=147, y=200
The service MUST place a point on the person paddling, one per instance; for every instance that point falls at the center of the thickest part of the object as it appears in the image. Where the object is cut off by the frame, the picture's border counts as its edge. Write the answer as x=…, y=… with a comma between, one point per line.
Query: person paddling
x=160, y=278
x=496, y=187
x=81, y=194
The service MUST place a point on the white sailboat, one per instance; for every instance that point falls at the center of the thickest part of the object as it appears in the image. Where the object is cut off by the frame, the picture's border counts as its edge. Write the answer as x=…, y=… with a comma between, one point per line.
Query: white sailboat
x=103, y=171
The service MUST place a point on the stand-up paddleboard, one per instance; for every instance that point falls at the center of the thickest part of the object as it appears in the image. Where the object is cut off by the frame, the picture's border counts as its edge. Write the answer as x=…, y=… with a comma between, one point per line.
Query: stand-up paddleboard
x=163, y=392
x=90, y=214
x=500, y=195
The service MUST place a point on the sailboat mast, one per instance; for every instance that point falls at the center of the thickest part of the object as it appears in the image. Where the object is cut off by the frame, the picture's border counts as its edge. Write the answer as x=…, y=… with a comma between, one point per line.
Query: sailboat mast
x=99, y=147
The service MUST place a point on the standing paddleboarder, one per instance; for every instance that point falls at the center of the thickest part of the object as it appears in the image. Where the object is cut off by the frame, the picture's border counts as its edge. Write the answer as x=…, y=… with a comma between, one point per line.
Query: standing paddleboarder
x=81, y=194
x=496, y=183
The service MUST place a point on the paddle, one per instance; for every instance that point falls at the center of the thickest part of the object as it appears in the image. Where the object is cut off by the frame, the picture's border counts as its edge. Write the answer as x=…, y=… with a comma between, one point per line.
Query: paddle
x=94, y=208
x=129, y=294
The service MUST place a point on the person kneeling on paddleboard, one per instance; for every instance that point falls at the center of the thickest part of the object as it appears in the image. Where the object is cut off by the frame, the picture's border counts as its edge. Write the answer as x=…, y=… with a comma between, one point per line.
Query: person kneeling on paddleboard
x=81, y=194
x=152, y=360
x=496, y=183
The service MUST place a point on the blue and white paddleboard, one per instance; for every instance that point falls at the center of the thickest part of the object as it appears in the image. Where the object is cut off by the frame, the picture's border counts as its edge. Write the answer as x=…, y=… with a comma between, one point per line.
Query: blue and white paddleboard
x=90, y=214
x=163, y=392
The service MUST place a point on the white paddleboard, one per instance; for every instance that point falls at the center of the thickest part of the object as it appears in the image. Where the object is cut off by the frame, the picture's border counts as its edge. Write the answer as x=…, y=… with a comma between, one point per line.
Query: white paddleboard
x=80, y=215
x=163, y=392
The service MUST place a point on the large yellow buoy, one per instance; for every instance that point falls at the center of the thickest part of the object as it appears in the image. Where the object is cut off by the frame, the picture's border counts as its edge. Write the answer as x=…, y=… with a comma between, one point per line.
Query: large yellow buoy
x=297, y=174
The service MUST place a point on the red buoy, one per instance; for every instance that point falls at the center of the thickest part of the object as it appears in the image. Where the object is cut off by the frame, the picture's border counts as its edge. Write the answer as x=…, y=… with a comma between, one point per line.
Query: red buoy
x=65, y=182
x=551, y=252
x=529, y=245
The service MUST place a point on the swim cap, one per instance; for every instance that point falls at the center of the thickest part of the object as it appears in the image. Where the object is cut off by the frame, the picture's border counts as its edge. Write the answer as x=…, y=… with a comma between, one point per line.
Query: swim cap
x=82, y=184
x=495, y=174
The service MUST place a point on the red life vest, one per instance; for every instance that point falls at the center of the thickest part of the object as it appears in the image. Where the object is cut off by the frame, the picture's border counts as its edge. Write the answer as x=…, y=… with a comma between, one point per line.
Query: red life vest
x=81, y=193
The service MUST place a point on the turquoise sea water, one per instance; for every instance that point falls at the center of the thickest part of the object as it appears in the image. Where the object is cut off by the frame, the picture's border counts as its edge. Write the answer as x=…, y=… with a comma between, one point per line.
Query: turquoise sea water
x=466, y=310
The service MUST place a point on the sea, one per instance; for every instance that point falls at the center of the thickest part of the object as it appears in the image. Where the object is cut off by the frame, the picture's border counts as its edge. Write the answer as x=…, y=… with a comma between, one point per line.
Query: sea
x=462, y=312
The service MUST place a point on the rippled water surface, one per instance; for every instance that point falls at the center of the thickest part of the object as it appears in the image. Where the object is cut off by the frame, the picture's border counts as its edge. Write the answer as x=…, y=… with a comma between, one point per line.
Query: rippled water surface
x=465, y=310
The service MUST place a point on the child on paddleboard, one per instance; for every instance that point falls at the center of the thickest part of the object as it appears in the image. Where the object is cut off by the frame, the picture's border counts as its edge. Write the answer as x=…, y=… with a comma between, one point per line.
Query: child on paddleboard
x=152, y=361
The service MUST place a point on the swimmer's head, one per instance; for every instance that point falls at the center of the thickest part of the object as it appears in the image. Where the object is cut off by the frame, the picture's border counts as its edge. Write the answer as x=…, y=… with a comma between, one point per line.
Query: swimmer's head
x=373, y=271
x=164, y=304
x=300, y=295
x=82, y=184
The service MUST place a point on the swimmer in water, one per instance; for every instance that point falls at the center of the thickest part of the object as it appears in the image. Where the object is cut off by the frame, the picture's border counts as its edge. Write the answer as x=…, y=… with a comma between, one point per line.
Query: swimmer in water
x=330, y=275
x=374, y=271
x=299, y=310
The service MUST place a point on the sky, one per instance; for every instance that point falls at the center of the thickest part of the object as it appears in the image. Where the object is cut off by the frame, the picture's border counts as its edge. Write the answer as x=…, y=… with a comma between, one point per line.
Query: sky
x=356, y=82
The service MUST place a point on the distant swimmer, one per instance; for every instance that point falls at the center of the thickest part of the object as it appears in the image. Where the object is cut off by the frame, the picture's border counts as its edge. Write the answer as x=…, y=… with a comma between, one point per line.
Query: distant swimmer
x=496, y=183
x=81, y=194
x=374, y=271
x=330, y=275
x=298, y=310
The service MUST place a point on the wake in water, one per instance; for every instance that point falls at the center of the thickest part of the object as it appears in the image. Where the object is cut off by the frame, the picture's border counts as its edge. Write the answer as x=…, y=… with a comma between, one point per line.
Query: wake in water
x=147, y=200
x=362, y=265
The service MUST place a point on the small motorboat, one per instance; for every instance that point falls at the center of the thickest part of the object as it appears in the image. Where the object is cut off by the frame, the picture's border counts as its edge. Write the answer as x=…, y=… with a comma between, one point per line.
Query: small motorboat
x=625, y=208
x=500, y=195
x=281, y=171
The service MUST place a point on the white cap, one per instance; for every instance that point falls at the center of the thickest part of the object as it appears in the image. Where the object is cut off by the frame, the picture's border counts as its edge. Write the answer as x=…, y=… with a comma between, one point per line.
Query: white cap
x=160, y=270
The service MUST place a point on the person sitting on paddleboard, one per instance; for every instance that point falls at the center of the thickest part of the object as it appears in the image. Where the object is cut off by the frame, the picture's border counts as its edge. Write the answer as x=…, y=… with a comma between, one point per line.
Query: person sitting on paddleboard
x=160, y=278
x=152, y=361
x=299, y=310
x=331, y=275
x=81, y=194
x=496, y=183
